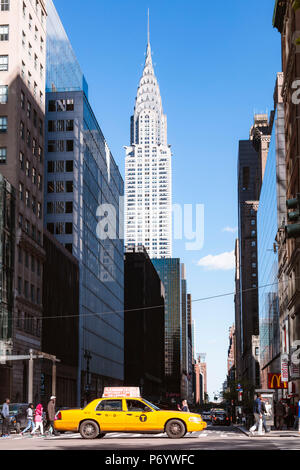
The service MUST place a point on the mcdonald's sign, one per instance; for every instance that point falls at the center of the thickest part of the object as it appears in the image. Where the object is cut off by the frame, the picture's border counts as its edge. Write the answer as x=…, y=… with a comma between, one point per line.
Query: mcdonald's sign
x=274, y=381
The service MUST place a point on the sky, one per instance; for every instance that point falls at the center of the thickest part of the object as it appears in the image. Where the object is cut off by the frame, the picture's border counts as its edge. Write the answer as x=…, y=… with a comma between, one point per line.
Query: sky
x=216, y=64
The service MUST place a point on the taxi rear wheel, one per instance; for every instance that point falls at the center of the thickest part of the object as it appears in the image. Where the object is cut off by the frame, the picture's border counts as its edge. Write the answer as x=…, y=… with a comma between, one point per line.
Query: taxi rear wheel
x=175, y=429
x=89, y=429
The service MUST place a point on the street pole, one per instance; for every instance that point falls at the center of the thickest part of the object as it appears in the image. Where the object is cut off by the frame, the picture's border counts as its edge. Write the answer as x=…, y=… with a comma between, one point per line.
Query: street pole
x=54, y=378
x=30, y=377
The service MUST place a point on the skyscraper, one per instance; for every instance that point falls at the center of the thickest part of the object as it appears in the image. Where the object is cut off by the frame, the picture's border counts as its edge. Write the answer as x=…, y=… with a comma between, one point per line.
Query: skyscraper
x=81, y=176
x=148, y=193
x=22, y=108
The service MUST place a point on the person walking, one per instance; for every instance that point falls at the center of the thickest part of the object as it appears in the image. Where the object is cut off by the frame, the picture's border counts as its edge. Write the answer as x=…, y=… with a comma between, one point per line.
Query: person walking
x=280, y=413
x=51, y=415
x=258, y=415
x=38, y=419
x=5, y=418
x=30, y=419
x=185, y=406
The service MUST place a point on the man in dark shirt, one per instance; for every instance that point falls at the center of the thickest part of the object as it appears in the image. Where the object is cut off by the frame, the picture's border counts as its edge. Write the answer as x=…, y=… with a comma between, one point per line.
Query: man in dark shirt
x=258, y=411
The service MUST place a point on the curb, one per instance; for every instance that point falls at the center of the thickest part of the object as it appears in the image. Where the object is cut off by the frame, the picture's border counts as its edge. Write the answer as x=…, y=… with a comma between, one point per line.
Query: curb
x=270, y=434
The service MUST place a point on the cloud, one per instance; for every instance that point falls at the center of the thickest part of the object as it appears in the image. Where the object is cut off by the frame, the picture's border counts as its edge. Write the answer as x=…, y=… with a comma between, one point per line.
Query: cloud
x=230, y=229
x=222, y=262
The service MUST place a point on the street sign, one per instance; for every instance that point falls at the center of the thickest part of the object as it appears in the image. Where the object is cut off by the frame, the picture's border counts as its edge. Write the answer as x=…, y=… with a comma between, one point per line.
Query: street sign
x=284, y=368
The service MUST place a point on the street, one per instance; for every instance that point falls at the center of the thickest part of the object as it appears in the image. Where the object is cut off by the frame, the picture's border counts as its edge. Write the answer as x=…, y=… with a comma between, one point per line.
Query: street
x=213, y=438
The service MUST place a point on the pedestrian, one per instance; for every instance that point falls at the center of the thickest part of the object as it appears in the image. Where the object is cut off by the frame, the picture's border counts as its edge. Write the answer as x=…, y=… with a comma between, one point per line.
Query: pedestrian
x=185, y=406
x=38, y=419
x=51, y=415
x=5, y=418
x=280, y=413
x=258, y=415
x=30, y=419
x=179, y=407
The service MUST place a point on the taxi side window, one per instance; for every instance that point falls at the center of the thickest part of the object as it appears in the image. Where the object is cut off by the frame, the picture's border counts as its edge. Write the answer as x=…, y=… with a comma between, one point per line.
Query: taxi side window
x=136, y=405
x=110, y=405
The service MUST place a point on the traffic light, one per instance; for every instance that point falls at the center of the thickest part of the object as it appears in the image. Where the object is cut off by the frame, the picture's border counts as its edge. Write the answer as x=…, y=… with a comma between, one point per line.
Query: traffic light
x=293, y=230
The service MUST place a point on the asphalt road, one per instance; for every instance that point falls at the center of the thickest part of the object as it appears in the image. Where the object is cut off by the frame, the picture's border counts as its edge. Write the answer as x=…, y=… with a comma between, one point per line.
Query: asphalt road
x=213, y=438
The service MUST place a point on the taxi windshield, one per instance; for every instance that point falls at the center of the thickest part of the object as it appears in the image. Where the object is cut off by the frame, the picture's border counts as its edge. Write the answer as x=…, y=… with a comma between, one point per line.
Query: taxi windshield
x=151, y=404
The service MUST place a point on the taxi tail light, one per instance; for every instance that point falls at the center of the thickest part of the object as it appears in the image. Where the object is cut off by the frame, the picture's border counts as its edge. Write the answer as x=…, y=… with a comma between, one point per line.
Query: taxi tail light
x=59, y=415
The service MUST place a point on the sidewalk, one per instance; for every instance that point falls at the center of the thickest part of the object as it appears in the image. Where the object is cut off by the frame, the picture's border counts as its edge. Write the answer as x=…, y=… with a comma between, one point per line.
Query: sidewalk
x=283, y=433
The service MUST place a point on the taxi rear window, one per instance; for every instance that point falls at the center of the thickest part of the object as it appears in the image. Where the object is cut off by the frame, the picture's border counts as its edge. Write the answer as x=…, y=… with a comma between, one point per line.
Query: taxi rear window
x=110, y=405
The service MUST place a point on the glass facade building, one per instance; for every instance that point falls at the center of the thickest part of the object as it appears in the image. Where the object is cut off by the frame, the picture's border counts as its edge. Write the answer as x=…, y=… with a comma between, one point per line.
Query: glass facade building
x=169, y=270
x=81, y=175
x=269, y=217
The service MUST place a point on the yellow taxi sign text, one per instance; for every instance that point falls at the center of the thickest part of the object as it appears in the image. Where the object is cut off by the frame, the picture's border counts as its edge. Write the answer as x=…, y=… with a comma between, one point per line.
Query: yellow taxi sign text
x=114, y=392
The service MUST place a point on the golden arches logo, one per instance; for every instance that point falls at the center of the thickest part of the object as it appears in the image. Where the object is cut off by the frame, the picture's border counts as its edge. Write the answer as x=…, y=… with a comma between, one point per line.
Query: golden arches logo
x=275, y=379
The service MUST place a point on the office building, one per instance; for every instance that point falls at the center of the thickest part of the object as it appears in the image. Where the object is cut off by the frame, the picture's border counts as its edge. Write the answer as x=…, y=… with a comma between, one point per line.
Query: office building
x=22, y=109
x=60, y=322
x=144, y=325
x=148, y=185
x=81, y=181
x=270, y=217
x=169, y=270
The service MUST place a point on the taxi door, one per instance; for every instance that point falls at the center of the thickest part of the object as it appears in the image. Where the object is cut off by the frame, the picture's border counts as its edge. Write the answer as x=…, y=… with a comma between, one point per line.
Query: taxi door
x=139, y=417
x=110, y=415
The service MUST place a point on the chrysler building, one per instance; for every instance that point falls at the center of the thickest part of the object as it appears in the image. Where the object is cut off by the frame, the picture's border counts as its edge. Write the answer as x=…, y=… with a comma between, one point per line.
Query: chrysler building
x=148, y=178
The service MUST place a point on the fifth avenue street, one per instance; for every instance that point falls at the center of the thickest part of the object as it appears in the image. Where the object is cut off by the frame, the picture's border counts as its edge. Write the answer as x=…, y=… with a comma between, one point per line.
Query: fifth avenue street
x=222, y=438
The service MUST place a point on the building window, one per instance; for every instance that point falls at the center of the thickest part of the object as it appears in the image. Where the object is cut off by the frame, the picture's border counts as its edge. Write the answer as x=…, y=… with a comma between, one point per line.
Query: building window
x=4, y=5
x=22, y=130
x=3, y=123
x=69, y=186
x=3, y=63
x=59, y=228
x=50, y=227
x=28, y=109
x=69, y=207
x=4, y=33
x=69, y=166
x=50, y=187
x=3, y=155
x=39, y=210
x=52, y=106
x=51, y=146
x=70, y=105
x=50, y=167
x=3, y=94
x=69, y=228
x=50, y=208
x=21, y=159
x=69, y=125
x=60, y=186
x=70, y=145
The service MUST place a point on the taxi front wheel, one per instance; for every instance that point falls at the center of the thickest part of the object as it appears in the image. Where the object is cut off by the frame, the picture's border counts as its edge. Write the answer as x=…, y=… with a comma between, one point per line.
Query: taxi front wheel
x=89, y=429
x=175, y=429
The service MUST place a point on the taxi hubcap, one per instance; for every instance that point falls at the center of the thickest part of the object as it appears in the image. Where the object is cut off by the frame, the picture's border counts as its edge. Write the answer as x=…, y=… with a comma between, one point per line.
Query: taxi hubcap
x=175, y=429
x=89, y=429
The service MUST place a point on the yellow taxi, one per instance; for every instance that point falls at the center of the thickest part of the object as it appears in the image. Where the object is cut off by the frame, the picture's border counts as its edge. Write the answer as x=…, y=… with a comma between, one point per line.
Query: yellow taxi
x=124, y=412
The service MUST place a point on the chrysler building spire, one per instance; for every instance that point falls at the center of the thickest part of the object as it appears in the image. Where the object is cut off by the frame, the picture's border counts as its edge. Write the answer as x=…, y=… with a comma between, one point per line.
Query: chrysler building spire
x=148, y=192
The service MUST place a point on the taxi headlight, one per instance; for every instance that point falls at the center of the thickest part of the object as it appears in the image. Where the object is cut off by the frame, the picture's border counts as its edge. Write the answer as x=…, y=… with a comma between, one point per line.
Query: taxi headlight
x=193, y=419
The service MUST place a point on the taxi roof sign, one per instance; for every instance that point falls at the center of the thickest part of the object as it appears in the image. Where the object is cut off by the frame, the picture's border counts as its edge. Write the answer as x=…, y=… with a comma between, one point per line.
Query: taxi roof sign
x=121, y=392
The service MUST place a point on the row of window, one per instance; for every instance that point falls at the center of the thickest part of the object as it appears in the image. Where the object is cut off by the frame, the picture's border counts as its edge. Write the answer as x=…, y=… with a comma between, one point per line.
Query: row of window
x=31, y=113
x=30, y=172
x=30, y=292
x=60, y=146
x=30, y=201
x=29, y=323
x=61, y=105
x=60, y=186
x=31, y=142
x=60, y=228
x=29, y=261
x=60, y=207
x=60, y=166
x=29, y=229
x=61, y=125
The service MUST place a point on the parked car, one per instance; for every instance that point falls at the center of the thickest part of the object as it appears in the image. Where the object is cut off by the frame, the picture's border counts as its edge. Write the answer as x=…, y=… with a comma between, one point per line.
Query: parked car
x=17, y=416
x=220, y=418
x=206, y=415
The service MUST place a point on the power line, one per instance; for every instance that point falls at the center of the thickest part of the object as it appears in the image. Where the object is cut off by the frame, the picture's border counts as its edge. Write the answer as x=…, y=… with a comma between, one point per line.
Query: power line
x=202, y=299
